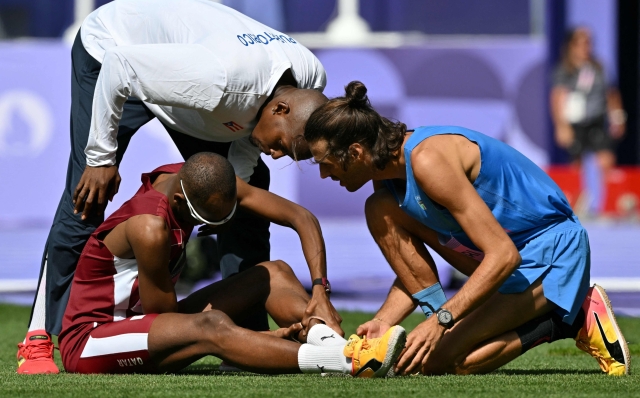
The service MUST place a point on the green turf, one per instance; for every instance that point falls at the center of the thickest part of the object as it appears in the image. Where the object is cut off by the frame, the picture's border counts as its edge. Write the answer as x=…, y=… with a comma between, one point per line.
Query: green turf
x=558, y=369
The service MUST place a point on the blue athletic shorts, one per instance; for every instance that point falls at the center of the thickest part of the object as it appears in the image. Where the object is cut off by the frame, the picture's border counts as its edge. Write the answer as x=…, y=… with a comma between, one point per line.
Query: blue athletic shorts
x=561, y=258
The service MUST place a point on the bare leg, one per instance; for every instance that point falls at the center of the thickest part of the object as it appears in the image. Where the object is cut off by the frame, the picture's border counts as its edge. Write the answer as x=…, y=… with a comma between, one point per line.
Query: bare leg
x=271, y=285
x=401, y=239
x=177, y=340
x=208, y=328
x=484, y=340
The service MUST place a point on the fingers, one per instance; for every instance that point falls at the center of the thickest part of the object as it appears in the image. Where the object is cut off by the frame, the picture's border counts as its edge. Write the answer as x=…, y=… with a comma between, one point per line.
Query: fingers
x=363, y=329
x=118, y=180
x=102, y=201
x=416, y=363
x=88, y=204
x=336, y=326
x=295, y=328
x=78, y=197
x=407, y=356
x=291, y=331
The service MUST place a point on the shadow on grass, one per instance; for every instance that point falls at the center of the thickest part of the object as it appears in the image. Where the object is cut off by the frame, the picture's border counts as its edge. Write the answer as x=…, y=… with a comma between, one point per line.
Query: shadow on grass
x=540, y=372
x=214, y=370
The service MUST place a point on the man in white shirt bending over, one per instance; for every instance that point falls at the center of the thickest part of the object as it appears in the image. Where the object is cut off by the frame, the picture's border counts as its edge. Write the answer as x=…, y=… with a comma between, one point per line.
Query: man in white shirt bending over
x=218, y=81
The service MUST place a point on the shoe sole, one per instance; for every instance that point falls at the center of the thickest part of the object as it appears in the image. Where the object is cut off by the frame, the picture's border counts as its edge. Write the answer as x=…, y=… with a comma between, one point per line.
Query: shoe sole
x=397, y=341
x=616, y=328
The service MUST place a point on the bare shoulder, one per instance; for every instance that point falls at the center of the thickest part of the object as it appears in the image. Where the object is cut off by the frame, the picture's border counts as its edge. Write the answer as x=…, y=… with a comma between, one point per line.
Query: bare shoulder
x=147, y=230
x=436, y=151
x=447, y=151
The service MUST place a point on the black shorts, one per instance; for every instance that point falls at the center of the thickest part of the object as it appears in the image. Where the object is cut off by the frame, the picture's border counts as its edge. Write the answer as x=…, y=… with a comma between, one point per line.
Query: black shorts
x=590, y=137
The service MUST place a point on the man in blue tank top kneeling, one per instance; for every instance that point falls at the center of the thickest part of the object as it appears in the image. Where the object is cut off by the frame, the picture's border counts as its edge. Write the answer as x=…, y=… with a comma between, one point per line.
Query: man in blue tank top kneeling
x=488, y=211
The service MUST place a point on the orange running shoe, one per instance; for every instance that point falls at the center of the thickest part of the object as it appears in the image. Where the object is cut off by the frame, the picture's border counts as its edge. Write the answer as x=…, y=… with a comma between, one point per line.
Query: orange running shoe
x=375, y=357
x=600, y=335
x=35, y=355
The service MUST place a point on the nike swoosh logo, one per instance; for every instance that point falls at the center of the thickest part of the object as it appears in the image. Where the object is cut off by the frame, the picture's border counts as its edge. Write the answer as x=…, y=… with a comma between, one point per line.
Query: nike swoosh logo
x=327, y=337
x=373, y=364
x=615, y=350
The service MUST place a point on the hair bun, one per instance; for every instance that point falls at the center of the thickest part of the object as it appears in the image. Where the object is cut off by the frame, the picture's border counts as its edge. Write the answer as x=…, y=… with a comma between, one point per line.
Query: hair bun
x=356, y=94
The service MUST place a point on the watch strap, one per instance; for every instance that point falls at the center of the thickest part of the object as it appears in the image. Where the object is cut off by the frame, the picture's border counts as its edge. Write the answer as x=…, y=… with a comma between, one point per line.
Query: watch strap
x=324, y=282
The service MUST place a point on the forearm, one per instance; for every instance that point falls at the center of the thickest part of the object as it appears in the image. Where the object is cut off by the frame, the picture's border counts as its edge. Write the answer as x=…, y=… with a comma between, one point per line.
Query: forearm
x=313, y=248
x=482, y=284
x=397, y=306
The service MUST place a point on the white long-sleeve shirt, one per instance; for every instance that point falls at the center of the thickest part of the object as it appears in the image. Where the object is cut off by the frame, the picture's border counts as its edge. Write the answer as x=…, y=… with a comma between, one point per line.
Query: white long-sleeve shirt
x=202, y=68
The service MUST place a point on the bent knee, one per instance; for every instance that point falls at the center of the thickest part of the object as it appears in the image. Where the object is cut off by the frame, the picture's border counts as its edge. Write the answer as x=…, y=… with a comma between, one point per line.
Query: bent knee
x=278, y=268
x=213, y=320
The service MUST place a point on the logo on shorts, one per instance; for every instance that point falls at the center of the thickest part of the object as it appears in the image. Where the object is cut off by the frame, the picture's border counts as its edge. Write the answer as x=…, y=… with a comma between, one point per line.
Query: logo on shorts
x=127, y=362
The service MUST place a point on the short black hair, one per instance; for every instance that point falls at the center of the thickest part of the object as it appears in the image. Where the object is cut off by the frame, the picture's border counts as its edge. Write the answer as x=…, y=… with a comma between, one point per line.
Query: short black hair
x=207, y=174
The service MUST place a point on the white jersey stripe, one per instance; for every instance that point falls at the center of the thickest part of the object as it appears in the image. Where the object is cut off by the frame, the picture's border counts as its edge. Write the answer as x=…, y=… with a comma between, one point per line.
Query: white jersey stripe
x=129, y=342
x=123, y=280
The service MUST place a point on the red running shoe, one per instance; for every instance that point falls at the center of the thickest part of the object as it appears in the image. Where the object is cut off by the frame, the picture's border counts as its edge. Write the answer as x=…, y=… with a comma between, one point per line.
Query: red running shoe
x=35, y=355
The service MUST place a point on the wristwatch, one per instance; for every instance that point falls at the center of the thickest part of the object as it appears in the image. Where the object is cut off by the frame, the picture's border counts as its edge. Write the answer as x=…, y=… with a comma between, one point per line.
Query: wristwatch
x=445, y=318
x=324, y=282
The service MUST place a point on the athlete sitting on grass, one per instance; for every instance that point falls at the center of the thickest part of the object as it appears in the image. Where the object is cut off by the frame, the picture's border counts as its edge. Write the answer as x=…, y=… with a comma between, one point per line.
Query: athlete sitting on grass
x=123, y=315
x=492, y=214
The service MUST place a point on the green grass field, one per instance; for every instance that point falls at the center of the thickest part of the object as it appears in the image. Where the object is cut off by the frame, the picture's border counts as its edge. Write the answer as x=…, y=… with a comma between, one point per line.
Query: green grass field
x=557, y=369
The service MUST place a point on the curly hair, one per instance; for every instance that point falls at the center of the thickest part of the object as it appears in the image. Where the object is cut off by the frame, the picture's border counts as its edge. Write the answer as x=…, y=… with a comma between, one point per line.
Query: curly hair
x=351, y=119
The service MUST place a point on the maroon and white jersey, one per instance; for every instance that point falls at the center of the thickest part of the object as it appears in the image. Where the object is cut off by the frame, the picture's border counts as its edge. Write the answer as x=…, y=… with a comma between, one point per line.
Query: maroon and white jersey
x=105, y=287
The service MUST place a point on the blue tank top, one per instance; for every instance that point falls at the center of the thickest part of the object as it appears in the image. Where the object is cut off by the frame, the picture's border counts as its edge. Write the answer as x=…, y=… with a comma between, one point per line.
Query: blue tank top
x=522, y=197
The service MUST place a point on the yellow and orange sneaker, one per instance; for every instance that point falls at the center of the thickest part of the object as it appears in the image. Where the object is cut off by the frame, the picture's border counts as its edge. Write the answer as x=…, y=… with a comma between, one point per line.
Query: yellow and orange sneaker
x=375, y=357
x=600, y=335
x=35, y=355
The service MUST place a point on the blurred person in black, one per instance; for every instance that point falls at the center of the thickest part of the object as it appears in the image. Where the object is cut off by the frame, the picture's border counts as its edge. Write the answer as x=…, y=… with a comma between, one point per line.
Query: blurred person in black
x=587, y=115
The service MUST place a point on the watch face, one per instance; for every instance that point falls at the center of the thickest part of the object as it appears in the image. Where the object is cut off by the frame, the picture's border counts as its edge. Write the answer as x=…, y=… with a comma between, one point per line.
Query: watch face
x=444, y=317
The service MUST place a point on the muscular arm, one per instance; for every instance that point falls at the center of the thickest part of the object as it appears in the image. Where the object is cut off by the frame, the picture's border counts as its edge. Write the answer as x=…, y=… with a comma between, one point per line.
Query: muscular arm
x=443, y=167
x=442, y=170
x=398, y=305
x=286, y=213
x=148, y=236
x=283, y=212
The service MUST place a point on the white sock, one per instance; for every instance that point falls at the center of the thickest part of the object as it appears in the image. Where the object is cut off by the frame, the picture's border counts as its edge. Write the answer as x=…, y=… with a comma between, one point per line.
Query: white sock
x=39, y=308
x=314, y=359
x=322, y=335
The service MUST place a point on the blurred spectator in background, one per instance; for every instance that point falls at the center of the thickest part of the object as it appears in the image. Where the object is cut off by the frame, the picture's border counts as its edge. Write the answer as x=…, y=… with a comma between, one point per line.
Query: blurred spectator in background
x=587, y=115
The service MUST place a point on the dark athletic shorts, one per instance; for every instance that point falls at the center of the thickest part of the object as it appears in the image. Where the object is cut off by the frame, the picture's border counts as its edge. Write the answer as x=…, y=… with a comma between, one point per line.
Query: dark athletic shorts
x=590, y=137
